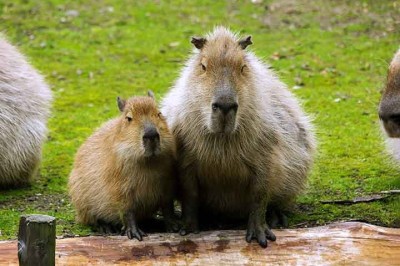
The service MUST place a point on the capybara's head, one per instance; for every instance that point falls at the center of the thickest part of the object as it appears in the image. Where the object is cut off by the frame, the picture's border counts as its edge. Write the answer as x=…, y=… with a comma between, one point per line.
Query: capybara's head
x=143, y=130
x=389, y=108
x=221, y=74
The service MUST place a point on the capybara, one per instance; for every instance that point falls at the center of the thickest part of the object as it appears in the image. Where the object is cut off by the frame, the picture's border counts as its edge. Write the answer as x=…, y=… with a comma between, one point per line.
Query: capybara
x=389, y=108
x=124, y=172
x=25, y=101
x=244, y=143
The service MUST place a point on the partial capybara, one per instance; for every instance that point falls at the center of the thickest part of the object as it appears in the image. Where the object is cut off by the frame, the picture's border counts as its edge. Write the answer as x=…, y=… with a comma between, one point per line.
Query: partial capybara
x=124, y=172
x=244, y=143
x=25, y=101
x=389, y=108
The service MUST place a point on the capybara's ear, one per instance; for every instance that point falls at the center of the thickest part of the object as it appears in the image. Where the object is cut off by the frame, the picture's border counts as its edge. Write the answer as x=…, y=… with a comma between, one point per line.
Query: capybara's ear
x=151, y=94
x=245, y=42
x=198, y=42
x=121, y=104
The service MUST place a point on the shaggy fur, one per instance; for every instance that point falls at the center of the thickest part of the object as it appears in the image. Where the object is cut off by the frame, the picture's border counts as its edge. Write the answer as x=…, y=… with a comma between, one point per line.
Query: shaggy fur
x=24, y=108
x=264, y=161
x=389, y=108
x=112, y=177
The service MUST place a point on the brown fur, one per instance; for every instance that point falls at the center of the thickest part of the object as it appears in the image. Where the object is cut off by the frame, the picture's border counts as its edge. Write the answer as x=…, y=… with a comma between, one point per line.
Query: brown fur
x=265, y=156
x=389, y=109
x=111, y=175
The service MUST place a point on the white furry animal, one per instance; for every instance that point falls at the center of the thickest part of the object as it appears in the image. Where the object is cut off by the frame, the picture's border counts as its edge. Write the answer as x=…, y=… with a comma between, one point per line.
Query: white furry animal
x=25, y=101
x=389, y=108
x=244, y=142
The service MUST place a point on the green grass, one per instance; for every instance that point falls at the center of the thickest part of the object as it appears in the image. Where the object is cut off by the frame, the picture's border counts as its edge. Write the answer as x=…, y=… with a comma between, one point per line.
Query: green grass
x=125, y=47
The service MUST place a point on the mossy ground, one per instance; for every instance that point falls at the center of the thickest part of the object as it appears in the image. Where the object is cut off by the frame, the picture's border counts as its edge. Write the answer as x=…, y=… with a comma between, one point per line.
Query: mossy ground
x=335, y=52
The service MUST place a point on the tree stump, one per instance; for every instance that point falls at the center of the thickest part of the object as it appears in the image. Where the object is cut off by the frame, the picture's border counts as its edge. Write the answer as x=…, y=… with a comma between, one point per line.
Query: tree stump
x=37, y=240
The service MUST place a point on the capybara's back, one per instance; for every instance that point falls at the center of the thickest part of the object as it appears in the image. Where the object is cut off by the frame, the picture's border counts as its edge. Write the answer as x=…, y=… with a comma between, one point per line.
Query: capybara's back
x=24, y=109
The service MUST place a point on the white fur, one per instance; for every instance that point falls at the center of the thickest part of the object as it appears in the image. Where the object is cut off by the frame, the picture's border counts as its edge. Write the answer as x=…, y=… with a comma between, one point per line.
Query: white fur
x=393, y=145
x=24, y=108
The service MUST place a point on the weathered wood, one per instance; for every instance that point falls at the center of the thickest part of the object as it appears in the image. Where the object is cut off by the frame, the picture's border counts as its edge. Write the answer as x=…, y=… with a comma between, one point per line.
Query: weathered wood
x=369, y=198
x=350, y=243
x=394, y=191
x=36, y=240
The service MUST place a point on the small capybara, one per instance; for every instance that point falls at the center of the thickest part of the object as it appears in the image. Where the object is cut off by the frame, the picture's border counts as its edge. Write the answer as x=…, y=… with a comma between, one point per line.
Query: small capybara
x=124, y=172
x=25, y=101
x=389, y=108
x=244, y=143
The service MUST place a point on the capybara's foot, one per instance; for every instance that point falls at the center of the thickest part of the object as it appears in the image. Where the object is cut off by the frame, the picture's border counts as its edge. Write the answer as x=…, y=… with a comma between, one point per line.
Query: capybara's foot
x=172, y=225
x=107, y=228
x=134, y=232
x=276, y=218
x=190, y=226
x=260, y=231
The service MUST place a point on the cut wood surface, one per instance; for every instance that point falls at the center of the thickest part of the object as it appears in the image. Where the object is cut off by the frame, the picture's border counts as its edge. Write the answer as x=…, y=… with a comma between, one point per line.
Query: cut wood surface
x=350, y=243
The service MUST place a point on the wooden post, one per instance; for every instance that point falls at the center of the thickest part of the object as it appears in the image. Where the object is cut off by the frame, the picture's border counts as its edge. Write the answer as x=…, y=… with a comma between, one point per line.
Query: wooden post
x=37, y=240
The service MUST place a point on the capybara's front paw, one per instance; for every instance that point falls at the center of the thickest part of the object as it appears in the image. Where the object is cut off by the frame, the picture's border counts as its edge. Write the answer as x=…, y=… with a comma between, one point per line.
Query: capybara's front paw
x=277, y=218
x=190, y=226
x=134, y=232
x=259, y=231
x=107, y=228
x=172, y=225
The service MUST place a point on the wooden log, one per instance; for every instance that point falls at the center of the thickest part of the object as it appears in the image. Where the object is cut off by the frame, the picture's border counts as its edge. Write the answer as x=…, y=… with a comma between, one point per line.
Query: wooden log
x=36, y=240
x=350, y=243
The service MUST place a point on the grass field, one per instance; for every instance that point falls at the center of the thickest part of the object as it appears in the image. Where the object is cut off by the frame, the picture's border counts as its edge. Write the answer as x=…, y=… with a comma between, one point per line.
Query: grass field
x=333, y=53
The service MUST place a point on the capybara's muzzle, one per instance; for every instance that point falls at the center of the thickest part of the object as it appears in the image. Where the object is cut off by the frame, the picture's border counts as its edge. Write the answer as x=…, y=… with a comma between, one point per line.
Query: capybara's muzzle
x=151, y=140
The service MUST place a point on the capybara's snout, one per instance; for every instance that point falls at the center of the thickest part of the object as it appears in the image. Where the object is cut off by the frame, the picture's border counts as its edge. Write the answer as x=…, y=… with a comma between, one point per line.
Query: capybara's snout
x=389, y=114
x=151, y=140
x=224, y=109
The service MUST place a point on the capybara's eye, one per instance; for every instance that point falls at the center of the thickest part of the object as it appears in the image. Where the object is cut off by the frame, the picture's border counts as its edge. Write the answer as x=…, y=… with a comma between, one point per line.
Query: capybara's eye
x=203, y=67
x=242, y=69
x=128, y=118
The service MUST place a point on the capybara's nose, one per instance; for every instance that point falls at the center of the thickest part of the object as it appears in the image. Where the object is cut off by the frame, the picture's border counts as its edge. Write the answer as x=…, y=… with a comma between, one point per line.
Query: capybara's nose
x=394, y=118
x=389, y=109
x=225, y=107
x=150, y=133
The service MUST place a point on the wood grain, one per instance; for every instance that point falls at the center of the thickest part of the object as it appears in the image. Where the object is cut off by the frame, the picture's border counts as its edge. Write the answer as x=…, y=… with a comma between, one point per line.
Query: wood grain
x=350, y=243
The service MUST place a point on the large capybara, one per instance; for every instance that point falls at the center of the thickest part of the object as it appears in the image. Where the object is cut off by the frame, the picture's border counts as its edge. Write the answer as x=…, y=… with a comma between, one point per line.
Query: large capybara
x=389, y=108
x=124, y=172
x=244, y=143
x=25, y=101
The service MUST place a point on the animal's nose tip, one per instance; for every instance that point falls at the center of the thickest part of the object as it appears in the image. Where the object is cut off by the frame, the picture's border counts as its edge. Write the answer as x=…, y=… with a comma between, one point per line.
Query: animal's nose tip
x=394, y=118
x=225, y=107
x=150, y=133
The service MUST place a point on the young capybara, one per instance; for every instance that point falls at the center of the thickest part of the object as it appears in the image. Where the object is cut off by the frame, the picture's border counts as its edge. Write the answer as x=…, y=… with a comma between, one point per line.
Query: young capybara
x=389, y=108
x=244, y=143
x=25, y=101
x=124, y=172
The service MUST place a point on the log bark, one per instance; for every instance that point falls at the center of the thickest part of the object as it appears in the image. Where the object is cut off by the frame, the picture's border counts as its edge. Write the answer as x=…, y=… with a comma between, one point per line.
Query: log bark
x=36, y=240
x=350, y=243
